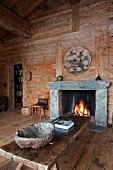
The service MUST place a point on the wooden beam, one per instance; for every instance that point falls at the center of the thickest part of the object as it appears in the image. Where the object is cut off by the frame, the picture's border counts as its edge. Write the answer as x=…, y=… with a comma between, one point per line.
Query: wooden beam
x=44, y=5
x=2, y=47
x=8, y=3
x=28, y=7
x=11, y=22
x=12, y=3
x=59, y=59
x=72, y=2
x=2, y=32
x=75, y=17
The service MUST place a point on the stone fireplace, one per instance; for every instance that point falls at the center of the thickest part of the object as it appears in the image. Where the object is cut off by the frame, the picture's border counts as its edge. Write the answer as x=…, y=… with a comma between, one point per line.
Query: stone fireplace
x=59, y=89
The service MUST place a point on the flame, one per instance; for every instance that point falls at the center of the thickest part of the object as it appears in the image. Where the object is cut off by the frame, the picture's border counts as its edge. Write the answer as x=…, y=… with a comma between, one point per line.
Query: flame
x=86, y=113
x=81, y=110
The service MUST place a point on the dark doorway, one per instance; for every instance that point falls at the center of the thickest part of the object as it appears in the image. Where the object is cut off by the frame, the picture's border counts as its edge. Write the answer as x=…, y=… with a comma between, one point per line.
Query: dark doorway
x=18, y=84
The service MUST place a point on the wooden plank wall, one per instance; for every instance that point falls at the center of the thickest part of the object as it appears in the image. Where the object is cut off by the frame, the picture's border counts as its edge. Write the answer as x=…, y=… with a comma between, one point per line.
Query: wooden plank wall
x=3, y=77
x=110, y=76
x=52, y=37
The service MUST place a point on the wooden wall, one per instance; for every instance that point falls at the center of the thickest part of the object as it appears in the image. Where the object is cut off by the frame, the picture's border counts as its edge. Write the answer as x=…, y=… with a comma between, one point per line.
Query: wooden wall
x=53, y=34
x=110, y=77
x=3, y=77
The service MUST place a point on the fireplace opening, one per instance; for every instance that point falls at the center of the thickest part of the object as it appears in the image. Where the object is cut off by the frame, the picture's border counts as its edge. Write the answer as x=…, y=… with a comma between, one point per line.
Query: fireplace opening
x=77, y=102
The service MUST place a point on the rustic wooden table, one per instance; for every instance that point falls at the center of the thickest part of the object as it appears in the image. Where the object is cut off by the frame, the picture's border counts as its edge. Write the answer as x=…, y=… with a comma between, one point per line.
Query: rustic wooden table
x=45, y=158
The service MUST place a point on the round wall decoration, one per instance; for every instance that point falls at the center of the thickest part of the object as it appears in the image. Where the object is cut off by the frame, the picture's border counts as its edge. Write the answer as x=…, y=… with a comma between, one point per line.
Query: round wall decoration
x=77, y=60
x=28, y=76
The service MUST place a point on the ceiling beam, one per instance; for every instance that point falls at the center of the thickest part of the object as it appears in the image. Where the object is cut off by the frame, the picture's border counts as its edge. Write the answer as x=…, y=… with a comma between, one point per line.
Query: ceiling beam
x=11, y=3
x=75, y=18
x=2, y=32
x=73, y=2
x=11, y=22
x=2, y=47
x=29, y=6
x=44, y=5
x=8, y=3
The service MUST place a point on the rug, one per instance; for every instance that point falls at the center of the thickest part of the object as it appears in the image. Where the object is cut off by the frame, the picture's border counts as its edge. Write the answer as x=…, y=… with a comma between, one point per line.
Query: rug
x=94, y=127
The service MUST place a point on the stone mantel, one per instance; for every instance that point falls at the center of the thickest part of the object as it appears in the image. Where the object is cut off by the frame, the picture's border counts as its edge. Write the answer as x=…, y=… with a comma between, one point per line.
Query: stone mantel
x=101, y=100
x=78, y=85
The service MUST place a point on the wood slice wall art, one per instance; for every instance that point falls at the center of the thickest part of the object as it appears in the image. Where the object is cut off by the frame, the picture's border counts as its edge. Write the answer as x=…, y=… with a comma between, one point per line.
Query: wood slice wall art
x=77, y=60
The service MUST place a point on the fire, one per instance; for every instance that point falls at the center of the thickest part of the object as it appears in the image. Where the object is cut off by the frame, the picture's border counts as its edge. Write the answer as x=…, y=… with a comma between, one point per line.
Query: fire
x=81, y=110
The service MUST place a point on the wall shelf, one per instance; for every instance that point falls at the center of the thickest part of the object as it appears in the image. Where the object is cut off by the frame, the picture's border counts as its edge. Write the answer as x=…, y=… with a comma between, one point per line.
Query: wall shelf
x=18, y=85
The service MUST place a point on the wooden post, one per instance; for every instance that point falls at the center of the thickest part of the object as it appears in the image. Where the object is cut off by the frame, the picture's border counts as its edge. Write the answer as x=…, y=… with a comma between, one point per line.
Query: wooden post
x=59, y=60
x=99, y=56
x=24, y=85
x=11, y=86
x=75, y=17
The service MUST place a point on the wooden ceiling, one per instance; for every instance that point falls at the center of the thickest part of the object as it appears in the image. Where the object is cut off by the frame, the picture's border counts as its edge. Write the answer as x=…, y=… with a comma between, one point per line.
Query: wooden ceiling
x=13, y=15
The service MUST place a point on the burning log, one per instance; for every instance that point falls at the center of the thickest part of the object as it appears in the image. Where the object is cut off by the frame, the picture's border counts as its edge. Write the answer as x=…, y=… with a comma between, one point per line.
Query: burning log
x=73, y=104
x=81, y=109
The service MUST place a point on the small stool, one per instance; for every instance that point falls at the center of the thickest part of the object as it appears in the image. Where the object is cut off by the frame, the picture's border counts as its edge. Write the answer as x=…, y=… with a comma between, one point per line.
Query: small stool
x=42, y=104
x=35, y=110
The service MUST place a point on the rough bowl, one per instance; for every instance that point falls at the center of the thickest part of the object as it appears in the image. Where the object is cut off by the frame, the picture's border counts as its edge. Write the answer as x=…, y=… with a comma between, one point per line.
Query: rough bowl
x=35, y=136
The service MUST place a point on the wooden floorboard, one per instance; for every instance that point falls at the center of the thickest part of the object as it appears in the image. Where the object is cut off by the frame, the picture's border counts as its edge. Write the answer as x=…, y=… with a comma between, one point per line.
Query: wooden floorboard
x=86, y=157
x=90, y=151
x=9, y=123
x=12, y=121
x=103, y=155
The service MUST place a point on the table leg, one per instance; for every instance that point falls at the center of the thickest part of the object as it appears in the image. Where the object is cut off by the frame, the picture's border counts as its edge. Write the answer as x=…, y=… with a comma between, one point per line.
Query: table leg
x=40, y=113
x=32, y=111
x=19, y=166
x=35, y=111
x=54, y=167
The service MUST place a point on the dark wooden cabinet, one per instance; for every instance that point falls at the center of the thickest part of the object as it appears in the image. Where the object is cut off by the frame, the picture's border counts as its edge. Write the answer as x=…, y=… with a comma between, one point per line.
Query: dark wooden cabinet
x=3, y=103
x=18, y=85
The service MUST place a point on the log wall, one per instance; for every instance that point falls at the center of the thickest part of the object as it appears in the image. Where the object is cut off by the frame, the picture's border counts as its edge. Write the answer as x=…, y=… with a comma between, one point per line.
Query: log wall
x=110, y=76
x=3, y=79
x=53, y=35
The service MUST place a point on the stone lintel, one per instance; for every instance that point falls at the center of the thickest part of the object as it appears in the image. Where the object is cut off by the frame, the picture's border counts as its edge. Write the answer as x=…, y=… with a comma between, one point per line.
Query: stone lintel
x=78, y=85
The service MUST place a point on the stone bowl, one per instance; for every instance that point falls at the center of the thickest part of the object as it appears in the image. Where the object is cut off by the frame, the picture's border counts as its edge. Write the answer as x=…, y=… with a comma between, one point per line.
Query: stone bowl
x=35, y=136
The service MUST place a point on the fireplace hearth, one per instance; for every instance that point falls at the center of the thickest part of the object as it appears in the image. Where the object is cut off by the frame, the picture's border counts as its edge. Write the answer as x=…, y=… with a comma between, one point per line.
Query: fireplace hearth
x=62, y=94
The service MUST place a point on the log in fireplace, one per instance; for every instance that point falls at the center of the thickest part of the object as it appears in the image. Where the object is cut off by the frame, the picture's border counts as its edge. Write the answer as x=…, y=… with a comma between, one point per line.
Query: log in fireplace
x=65, y=94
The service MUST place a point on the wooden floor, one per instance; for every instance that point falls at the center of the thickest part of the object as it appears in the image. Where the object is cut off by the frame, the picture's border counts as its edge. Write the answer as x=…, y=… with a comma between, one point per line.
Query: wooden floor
x=90, y=151
x=9, y=123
